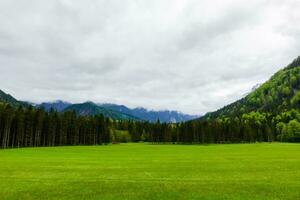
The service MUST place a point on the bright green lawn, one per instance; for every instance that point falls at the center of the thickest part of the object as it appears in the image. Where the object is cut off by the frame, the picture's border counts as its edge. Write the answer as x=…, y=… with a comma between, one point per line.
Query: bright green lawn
x=145, y=171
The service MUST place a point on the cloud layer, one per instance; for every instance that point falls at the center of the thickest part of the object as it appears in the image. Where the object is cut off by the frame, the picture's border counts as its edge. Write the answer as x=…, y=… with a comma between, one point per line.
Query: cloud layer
x=188, y=55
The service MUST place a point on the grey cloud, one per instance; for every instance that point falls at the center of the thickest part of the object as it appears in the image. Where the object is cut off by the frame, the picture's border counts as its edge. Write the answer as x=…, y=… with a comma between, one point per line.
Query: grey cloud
x=200, y=34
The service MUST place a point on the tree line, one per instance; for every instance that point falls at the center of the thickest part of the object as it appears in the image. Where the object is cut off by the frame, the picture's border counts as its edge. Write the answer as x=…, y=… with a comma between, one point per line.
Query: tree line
x=30, y=127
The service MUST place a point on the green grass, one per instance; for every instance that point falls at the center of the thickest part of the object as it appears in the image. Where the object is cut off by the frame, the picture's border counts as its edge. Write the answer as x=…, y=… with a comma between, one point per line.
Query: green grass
x=144, y=171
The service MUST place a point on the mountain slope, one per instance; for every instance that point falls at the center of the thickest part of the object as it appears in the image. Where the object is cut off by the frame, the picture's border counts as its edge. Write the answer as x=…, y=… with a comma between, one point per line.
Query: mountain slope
x=152, y=116
x=90, y=108
x=280, y=93
x=7, y=98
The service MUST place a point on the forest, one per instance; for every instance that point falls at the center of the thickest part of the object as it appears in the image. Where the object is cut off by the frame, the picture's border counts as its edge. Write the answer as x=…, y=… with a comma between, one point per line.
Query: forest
x=28, y=127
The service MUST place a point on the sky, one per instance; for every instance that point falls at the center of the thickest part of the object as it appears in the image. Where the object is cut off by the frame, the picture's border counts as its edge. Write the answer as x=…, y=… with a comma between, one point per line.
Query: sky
x=193, y=56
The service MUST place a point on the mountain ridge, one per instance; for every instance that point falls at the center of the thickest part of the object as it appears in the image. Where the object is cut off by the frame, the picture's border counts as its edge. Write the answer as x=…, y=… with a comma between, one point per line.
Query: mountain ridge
x=133, y=113
x=57, y=105
x=152, y=115
x=90, y=108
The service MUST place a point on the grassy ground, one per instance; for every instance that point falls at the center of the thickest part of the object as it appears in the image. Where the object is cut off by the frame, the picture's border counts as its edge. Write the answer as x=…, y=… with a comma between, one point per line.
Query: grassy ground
x=144, y=171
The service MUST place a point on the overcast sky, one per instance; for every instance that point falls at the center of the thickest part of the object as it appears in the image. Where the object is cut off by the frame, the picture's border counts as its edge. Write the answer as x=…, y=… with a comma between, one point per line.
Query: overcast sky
x=188, y=55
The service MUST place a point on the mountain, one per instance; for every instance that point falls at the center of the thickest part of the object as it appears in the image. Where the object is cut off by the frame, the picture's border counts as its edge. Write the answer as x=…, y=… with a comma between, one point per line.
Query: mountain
x=117, y=111
x=56, y=105
x=90, y=108
x=152, y=116
x=7, y=98
x=279, y=94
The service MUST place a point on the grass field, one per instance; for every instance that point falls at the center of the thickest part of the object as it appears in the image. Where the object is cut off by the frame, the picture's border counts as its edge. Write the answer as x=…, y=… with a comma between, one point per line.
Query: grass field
x=144, y=171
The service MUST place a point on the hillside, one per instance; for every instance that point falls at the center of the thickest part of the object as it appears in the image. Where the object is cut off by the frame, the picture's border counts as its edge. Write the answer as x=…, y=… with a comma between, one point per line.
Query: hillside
x=7, y=98
x=150, y=115
x=90, y=108
x=279, y=94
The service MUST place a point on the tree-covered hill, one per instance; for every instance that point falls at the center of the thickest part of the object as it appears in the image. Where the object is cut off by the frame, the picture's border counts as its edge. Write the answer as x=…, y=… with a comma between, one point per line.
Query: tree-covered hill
x=90, y=108
x=7, y=98
x=279, y=94
x=270, y=112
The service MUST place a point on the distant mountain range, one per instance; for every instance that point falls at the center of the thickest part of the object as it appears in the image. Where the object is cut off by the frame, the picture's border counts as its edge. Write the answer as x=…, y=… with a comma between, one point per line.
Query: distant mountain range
x=90, y=108
x=150, y=115
x=115, y=111
x=56, y=105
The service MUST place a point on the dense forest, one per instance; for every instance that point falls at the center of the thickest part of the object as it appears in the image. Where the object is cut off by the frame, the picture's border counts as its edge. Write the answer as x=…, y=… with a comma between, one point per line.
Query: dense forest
x=270, y=113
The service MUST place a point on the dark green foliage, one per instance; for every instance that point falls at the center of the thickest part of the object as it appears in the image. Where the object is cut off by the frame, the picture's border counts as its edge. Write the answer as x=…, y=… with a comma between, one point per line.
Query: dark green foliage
x=119, y=136
x=28, y=127
x=289, y=132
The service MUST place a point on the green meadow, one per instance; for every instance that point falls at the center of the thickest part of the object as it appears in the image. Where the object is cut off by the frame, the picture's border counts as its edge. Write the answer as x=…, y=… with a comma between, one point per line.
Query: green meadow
x=144, y=171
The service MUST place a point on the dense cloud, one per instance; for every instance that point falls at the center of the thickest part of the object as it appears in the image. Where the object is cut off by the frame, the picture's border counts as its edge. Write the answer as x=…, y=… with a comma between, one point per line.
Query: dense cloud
x=189, y=55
